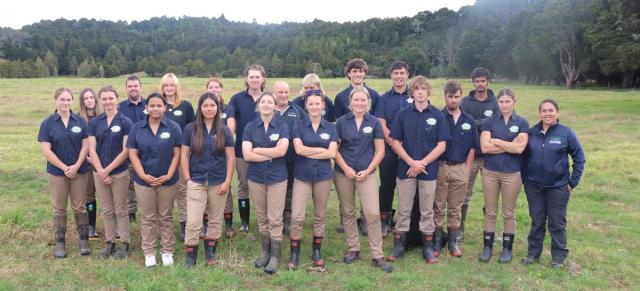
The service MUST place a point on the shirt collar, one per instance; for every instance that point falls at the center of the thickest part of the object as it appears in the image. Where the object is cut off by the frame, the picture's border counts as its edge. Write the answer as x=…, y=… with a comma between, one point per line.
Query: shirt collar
x=394, y=92
x=259, y=121
x=428, y=109
x=366, y=116
x=163, y=122
x=72, y=115
x=129, y=103
x=307, y=122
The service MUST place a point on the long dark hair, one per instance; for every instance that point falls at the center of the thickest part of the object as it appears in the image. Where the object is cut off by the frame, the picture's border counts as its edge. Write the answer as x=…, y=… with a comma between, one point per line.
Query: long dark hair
x=197, y=139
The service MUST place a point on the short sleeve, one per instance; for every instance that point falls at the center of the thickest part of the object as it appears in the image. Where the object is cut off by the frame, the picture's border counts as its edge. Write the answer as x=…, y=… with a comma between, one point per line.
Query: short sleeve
x=296, y=132
x=43, y=133
x=83, y=126
x=187, y=134
x=333, y=133
x=283, y=130
x=131, y=141
x=524, y=126
x=177, y=135
x=487, y=124
x=339, y=128
x=397, y=131
x=126, y=125
x=248, y=132
x=379, y=113
x=444, y=132
x=231, y=107
x=378, y=133
x=91, y=129
x=228, y=137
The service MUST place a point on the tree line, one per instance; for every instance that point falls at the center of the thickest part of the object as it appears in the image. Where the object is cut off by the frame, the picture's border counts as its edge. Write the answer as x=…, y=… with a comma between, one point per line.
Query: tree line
x=566, y=42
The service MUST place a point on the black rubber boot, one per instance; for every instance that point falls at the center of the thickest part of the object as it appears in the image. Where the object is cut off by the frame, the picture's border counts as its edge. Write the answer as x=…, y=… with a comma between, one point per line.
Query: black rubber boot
x=82, y=223
x=286, y=221
x=210, y=246
x=437, y=242
x=60, y=230
x=91, y=213
x=132, y=217
x=272, y=267
x=454, y=251
x=183, y=225
x=463, y=218
x=351, y=257
x=228, y=224
x=294, y=256
x=245, y=208
x=205, y=226
x=507, y=247
x=399, y=242
x=487, y=250
x=362, y=224
x=427, y=249
x=263, y=260
x=380, y=263
x=316, y=255
x=109, y=249
x=385, y=220
x=530, y=260
x=122, y=252
x=191, y=257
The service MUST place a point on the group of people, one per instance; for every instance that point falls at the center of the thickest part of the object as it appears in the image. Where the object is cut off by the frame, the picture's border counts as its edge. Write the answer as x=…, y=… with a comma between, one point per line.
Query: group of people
x=156, y=151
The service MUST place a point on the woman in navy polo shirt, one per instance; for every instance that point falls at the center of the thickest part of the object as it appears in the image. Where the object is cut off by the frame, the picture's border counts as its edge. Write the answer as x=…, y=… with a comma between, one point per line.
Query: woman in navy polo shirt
x=207, y=162
x=503, y=139
x=548, y=182
x=180, y=111
x=264, y=143
x=154, y=152
x=108, y=134
x=360, y=150
x=316, y=142
x=63, y=142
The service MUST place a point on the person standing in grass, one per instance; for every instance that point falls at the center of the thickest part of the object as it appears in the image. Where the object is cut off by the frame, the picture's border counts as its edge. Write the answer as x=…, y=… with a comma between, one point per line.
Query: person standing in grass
x=315, y=142
x=64, y=144
x=180, y=111
x=548, y=182
x=312, y=82
x=109, y=155
x=360, y=150
x=207, y=161
x=154, y=151
x=503, y=139
x=90, y=108
x=265, y=141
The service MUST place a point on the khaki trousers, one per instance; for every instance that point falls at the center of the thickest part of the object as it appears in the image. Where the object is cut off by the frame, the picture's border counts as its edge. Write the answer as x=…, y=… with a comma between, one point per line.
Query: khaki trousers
x=63, y=188
x=269, y=201
x=242, y=168
x=156, y=204
x=302, y=192
x=113, y=201
x=370, y=202
x=181, y=197
x=509, y=184
x=406, y=195
x=451, y=191
x=132, y=202
x=199, y=198
x=91, y=187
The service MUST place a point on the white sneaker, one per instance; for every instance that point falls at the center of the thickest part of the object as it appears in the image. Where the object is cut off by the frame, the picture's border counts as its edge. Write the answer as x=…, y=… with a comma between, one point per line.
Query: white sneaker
x=167, y=259
x=149, y=261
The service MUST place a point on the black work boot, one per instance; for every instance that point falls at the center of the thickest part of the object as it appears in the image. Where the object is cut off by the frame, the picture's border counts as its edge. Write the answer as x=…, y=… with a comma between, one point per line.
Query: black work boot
x=272, y=267
x=192, y=255
x=60, y=230
x=109, y=249
x=427, y=249
x=122, y=252
x=210, y=246
x=399, y=241
x=507, y=246
x=228, y=224
x=453, y=243
x=463, y=218
x=351, y=257
x=82, y=223
x=286, y=221
x=316, y=255
x=263, y=260
x=294, y=256
x=205, y=226
x=243, y=206
x=91, y=213
x=362, y=224
x=437, y=242
x=183, y=225
x=385, y=220
x=380, y=263
x=487, y=250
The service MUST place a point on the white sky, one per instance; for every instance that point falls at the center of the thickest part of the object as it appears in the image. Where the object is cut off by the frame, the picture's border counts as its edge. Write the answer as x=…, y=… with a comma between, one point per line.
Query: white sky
x=18, y=13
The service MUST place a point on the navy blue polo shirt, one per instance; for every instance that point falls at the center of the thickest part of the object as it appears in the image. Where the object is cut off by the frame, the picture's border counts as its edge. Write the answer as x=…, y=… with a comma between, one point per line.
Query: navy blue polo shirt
x=293, y=114
x=66, y=142
x=132, y=111
x=464, y=137
x=109, y=138
x=243, y=109
x=155, y=151
x=327, y=113
x=546, y=162
x=208, y=168
x=390, y=103
x=341, y=103
x=419, y=133
x=267, y=172
x=183, y=114
x=504, y=162
x=357, y=146
x=314, y=170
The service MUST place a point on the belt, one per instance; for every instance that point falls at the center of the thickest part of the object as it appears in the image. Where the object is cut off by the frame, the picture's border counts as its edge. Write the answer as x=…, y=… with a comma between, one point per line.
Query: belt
x=450, y=163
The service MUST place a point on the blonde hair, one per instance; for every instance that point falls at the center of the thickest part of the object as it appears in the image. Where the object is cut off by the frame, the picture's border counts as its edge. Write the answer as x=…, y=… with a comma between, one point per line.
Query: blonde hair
x=172, y=77
x=419, y=81
x=311, y=79
x=360, y=89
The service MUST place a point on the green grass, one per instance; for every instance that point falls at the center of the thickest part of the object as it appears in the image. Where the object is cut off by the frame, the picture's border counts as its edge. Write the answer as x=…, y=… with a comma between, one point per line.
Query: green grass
x=603, y=213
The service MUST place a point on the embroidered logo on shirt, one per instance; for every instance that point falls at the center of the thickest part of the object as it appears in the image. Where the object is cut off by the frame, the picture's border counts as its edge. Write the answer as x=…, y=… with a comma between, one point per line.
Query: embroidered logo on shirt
x=165, y=135
x=115, y=128
x=367, y=129
x=324, y=112
x=177, y=113
x=76, y=129
x=223, y=115
x=145, y=112
x=274, y=137
x=466, y=126
x=324, y=136
x=514, y=128
x=409, y=100
x=555, y=140
x=488, y=113
x=432, y=121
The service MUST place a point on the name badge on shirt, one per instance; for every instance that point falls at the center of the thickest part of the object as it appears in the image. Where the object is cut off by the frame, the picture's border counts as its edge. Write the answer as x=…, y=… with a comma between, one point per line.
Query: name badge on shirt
x=514, y=128
x=165, y=135
x=177, y=113
x=488, y=113
x=555, y=140
x=466, y=126
x=76, y=129
x=115, y=128
x=367, y=129
x=274, y=137
x=432, y=121
x=324, y=136
x=145, y=112
x=292, y=114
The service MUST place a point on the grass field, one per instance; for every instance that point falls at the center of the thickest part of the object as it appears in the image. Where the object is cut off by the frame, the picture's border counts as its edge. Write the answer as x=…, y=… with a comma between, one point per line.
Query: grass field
x=604, y=211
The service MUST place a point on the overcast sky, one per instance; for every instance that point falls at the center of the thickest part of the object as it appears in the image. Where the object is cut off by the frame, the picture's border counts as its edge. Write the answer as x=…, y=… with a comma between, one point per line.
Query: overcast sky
x=23, y=12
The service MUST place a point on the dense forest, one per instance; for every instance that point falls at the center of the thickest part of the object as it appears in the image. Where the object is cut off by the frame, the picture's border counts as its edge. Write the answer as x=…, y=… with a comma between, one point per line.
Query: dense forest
x=568, y=42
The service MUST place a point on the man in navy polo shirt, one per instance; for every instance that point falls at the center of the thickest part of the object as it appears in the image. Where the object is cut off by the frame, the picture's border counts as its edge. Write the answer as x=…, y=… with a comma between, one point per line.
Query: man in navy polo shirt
x=388, y=106
x=240, y=111
x=133, y=108
x=480, y=104
x=291, y=113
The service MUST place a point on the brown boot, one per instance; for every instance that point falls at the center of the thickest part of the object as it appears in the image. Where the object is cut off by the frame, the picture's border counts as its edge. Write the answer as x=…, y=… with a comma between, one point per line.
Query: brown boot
x=60, y=230
x=82, y=222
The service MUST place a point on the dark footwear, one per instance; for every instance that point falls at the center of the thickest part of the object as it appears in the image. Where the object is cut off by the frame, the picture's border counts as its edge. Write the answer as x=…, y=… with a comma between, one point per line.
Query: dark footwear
x=340, y=227
x=183, y=226
x=487, y=250
x=385, y=220
x=557, y=265
x=286, y=222
x=463, y=218
x=122, y=252
x=263, y=260
x=453, y=243
x=228, y=225
x=427, y=249
x=109, y=249
x=245, y=210
x=399, y=241
x=294, y=256
x=192, y=255
x=210, y=246
x=362, y=226
x=351, y=257
x=530, y=260
x=60, y=230
x=272, y=267
x=507, y=247
x=83, y=234
x=132, y=217
x=91, y=215
x=437, y=242
x=380, y=263
x=316, y=255
x=205, y=226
